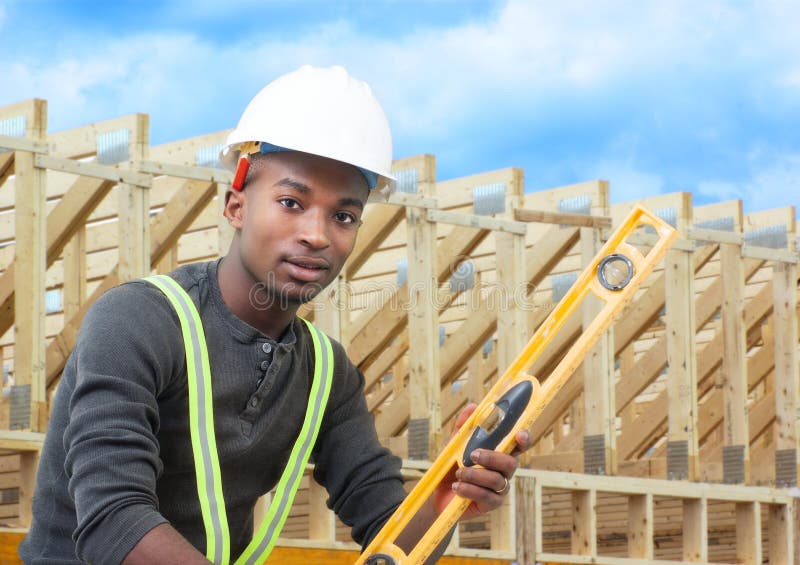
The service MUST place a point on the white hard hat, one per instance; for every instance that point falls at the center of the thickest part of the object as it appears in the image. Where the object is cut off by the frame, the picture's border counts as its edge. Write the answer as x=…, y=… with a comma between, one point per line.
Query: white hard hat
x=322, y=111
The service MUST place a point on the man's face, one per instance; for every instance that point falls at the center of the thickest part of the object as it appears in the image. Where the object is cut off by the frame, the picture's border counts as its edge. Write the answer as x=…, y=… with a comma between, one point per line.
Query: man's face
x=297, y=223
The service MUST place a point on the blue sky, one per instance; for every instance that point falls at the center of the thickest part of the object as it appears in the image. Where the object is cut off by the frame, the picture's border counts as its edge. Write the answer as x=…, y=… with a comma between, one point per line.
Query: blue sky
x=653, y=96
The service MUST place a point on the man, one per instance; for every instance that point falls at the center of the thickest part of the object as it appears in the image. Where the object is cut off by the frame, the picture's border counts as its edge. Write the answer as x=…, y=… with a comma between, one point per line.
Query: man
x=126, y=474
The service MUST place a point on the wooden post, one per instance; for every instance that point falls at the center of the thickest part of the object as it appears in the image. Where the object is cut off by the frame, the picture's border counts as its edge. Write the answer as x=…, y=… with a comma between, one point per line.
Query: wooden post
x=512, y=330
x=28, y=466
x=330, y=308
x=321, y=520
x=170, y=261
x=779, y=533
x=748, y=533
x=28, y=395
x=599, y=439
x=134, y=210
x=681, y=332
x=584, y=523
x=626, y=363
x=640, y=526
x=695, y=530
x=736, y=458
x=75, y=273
x=787, y=375
x=529, y=519
x=424, y=426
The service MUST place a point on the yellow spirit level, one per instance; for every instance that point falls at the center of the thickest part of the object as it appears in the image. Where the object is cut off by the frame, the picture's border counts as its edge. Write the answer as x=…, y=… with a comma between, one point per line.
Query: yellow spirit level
x=613, y=276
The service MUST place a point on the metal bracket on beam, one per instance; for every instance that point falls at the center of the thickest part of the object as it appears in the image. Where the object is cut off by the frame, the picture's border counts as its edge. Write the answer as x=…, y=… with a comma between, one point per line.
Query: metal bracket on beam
x=14, y=143
x=187, y=172
x=94, y=170
x=481, y=222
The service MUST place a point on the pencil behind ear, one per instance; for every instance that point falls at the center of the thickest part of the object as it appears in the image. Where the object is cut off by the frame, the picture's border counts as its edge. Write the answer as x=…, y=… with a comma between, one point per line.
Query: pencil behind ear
x=241, y=172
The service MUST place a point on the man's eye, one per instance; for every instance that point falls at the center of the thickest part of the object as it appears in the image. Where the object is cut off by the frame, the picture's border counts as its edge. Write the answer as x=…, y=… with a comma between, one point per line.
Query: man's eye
x=346, y=218
x=289, y=203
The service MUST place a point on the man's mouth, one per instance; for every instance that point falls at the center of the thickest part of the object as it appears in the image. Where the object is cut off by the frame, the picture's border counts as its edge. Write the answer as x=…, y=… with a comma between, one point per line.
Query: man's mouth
x=307, y=269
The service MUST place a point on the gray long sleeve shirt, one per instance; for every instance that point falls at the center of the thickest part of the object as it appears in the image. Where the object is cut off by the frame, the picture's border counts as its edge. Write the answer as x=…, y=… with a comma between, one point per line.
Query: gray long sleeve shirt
x=117, y=458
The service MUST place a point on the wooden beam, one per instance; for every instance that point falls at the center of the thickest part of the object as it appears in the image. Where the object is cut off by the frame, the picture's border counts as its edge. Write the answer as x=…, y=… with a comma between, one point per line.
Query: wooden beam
x=6, y=166
x=599, y=434
x=748, y=533
x=189, y=172
x=681, y=330
x=373, y=330
x=76, y=143
x=74, y=290
x=64, y=220
x=330, y=307
x=134, y=211
x=28, y=395
x=93, y=170
x=425, y=419
x=498, y=225
x=736, y=461
x=584, y=523
x=166, y=228
x=576, y=220
x=529, y=520
x=379, y=221
x=321, y=519
x=16, y=440
x=633, y=438
x=638, y=317
x=779, y=533
x=640, y=526
x=787, y=375
x=695, y=530
x=711, y=411
x=28, y=468
x=512, y=326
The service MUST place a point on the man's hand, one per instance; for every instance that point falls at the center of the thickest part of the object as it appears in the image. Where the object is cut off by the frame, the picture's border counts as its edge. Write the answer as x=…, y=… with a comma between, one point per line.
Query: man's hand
x=486, y=485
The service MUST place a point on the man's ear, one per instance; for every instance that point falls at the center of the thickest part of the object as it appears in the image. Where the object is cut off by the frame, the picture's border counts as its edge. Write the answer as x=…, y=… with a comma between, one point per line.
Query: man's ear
x=234, y=207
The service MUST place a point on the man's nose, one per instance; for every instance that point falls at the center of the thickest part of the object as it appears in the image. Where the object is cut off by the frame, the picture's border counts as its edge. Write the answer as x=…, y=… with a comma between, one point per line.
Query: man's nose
x=313, y=231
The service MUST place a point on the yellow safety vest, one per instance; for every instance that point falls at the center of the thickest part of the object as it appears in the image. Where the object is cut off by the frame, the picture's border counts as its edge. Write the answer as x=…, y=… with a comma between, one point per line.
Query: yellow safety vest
x=204, y=445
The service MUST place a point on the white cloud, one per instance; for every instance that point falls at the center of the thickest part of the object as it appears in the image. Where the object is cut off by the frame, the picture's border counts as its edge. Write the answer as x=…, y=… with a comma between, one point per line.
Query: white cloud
x=435, y=77
x=431, y=78
x=517, y=68
x=626, y=182
x=773, y=182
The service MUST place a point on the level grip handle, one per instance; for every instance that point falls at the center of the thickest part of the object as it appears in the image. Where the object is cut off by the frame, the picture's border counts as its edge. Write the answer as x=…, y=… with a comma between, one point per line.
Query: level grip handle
x=513, y=404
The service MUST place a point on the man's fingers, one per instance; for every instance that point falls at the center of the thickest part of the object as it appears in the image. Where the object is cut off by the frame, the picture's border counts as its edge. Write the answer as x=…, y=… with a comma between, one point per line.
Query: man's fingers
x=524, y=443
x=486, y=488
x=464, y=415
x=502, y=463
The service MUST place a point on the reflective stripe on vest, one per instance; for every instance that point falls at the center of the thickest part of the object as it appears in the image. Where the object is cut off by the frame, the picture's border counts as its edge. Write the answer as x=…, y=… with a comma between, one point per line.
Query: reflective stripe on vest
x=204, y=445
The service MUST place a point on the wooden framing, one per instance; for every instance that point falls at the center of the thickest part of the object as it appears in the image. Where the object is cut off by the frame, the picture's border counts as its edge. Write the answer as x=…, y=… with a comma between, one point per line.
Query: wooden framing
x=600, y=437
x=423, y=391
x=28, y=393
x=698, y=380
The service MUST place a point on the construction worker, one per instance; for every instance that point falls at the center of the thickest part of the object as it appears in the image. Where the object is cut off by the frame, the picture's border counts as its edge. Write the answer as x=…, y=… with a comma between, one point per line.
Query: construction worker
x=188, y=397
